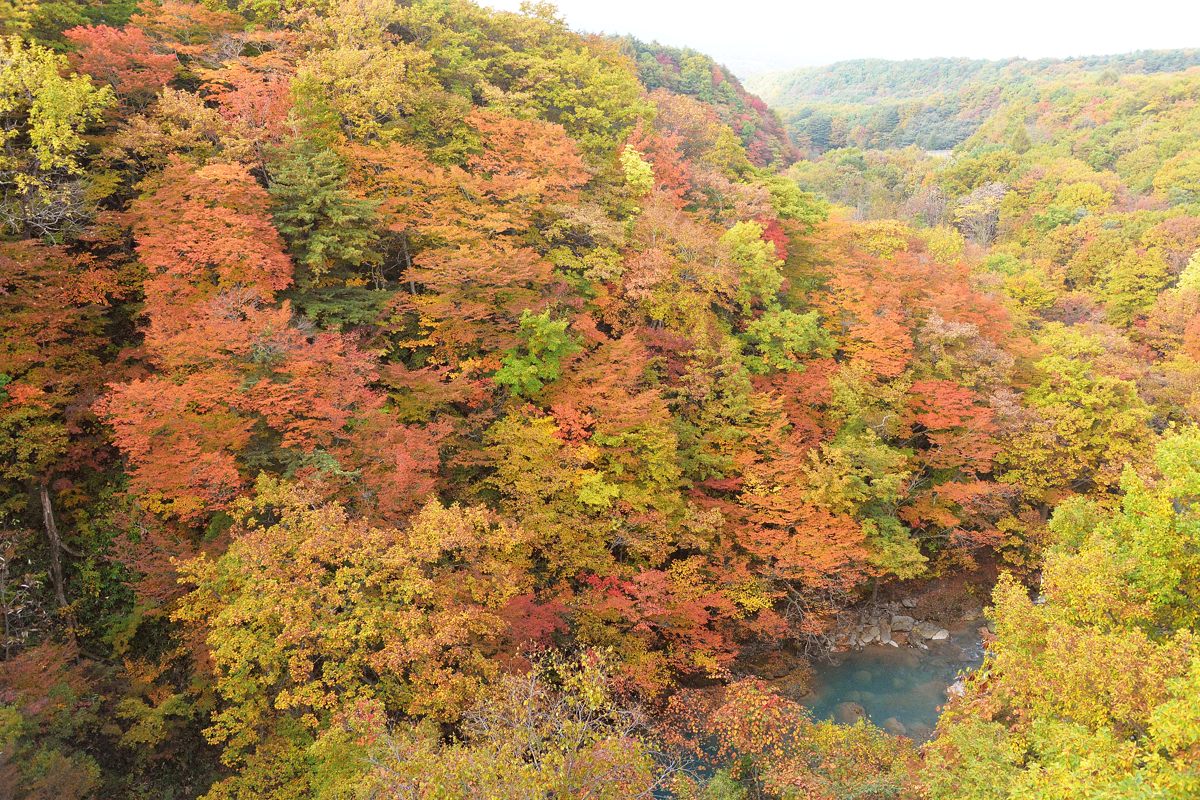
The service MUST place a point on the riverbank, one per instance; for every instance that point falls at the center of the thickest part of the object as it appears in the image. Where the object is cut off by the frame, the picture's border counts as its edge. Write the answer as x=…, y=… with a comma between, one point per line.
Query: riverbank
x=915, y=613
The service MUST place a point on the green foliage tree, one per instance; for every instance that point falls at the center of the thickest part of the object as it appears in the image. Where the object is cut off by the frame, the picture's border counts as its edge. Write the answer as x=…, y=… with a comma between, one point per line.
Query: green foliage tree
x=1085, y=424
x=759, y=278
x=330, y=232
x=792, y=203
x=539, y=359
x=639, y=174
x=780, y=340
x=1119, y=595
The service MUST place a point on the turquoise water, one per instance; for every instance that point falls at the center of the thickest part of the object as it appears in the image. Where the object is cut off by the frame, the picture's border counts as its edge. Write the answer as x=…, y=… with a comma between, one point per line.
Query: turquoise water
x=899, y=688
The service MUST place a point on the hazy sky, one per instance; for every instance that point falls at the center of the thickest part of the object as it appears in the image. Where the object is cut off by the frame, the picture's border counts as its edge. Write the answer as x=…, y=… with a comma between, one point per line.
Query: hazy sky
x=760, y=35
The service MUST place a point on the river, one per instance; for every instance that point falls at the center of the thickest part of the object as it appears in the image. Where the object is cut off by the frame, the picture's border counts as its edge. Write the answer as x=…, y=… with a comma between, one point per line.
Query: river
x=900, y=689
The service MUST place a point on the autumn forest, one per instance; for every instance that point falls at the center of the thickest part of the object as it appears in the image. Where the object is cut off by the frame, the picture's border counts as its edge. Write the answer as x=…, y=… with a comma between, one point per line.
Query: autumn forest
x=409, y=399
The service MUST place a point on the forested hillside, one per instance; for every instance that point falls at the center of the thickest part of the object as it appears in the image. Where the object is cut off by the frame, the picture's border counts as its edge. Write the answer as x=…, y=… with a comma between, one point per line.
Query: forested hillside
x=1076, y=202
x=416, y=400
x=935, y=103
x=696, y=75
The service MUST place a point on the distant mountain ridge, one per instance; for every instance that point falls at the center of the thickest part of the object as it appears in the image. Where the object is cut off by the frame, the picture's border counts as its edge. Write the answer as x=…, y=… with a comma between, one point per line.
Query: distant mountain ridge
x=867, y=79
x=933, y=103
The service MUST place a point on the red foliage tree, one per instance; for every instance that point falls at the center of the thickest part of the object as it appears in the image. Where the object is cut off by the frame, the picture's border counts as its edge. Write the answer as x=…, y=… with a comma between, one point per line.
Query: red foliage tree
x=188, y=29
x=672, y=174
x=958, y=427
x=254, y=97
x=124, y=58
x=237, y=381
x=468, y=268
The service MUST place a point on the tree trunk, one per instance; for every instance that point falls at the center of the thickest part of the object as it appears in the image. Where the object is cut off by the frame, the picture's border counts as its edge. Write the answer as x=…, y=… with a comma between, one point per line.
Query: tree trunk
x=412, y=284
x=56, y=573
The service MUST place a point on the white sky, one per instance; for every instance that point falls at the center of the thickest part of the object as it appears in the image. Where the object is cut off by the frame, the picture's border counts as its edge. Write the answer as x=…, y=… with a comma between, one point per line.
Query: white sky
x=760, y=35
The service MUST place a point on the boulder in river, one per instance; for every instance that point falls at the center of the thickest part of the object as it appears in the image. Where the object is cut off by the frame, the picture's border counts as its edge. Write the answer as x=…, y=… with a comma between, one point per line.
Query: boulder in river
x=849, y=713
x=895, y=727
x=930, y=630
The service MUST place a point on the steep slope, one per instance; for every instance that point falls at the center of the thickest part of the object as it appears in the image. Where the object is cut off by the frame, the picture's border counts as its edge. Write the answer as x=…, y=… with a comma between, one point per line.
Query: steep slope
x=696, y=75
